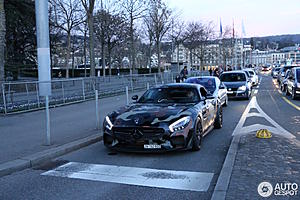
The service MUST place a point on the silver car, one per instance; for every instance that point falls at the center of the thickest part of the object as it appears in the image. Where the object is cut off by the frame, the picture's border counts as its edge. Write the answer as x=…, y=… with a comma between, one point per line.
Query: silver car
x=215, y=88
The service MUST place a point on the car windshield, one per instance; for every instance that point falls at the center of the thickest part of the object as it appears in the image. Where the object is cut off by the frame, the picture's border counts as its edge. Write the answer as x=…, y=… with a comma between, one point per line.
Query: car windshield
x=170, y=95
x=247, y=73
x=298, y=75
x=208, y=83
x=233, y=77
x=251, y=73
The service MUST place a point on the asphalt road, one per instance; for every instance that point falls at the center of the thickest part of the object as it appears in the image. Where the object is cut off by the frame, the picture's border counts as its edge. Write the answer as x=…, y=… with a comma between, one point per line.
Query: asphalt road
x=30, y=184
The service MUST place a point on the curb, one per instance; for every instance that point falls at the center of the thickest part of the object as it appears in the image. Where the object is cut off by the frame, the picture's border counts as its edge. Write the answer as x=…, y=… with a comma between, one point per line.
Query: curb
x=221, y=187
x=40, y=157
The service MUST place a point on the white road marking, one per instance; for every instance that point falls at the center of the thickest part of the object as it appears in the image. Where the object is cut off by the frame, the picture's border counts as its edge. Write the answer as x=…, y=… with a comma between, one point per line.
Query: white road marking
x=181, y=180
x=255, y=92
x=277, y=129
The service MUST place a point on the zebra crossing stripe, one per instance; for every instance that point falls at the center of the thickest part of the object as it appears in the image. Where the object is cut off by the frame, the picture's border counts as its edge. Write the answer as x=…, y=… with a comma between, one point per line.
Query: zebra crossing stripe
x=170, y=179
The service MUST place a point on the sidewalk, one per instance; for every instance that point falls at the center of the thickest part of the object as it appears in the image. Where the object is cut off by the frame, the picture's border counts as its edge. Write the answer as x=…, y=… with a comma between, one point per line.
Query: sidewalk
x=23, y=135
x=274, y=160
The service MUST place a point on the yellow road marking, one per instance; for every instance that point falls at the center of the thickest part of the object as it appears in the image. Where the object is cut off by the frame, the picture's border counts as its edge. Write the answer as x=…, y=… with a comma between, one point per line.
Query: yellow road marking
x=284, y=98
x=289, y=102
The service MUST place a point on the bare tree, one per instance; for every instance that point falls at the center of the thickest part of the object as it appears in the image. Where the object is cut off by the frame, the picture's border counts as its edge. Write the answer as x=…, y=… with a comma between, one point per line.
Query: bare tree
x=112, y=30
x=159, y=20
x=197, y=36
x=68, y=17
x=148, y=33
x=134, y=10
x=83, y=28
x=2, y=39
x=89, y=6
x=177, y=36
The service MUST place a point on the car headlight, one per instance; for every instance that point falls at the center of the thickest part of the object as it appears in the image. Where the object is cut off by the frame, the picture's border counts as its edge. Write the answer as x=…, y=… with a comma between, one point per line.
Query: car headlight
x=109, y=125
x=242, y=88
x=180, y=124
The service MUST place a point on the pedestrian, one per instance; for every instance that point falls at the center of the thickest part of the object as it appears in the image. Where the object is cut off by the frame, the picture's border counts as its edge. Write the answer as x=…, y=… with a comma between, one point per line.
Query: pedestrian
x=210, y=71
x=184, y=73
x=177, y=78
x=216, y=72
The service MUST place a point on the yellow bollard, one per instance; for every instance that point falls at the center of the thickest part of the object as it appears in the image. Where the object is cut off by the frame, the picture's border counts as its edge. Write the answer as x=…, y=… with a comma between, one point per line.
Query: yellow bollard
x=263, y=133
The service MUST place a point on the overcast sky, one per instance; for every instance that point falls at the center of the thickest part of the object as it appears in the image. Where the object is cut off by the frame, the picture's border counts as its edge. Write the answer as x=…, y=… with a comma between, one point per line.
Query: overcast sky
x=261, y=17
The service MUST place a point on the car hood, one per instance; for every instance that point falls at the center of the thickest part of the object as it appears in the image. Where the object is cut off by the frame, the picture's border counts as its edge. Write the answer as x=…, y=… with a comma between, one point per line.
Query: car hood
x=234, y=84
x=149, y=114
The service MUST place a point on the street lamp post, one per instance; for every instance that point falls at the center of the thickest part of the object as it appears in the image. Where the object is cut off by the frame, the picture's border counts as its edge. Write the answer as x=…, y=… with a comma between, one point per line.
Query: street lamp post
x=43, y=54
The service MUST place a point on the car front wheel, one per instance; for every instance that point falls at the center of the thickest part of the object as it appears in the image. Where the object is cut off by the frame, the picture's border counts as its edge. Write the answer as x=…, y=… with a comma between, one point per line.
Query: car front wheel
x=287, y=91
x=226, y=102
x=197, y=137
x=219, y=118
x=293, y=94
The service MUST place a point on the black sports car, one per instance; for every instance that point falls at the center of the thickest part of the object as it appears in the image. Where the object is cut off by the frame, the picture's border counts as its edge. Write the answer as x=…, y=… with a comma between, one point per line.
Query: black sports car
x=169, y=117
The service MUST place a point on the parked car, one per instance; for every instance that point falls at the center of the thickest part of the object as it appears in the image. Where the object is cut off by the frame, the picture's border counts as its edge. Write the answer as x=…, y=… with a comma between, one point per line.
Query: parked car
x=238, y=86
x=248, y=77
x=284, y=81
x=253, y=76
x=265, y=68
x=215, y=88
x=293, y=83
x=168, y=117
x=282, y=73
x=275, y=72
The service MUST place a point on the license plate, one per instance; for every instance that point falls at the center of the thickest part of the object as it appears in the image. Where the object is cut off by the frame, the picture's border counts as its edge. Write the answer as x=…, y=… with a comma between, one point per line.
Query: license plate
x=230, y=92
x=152, y=146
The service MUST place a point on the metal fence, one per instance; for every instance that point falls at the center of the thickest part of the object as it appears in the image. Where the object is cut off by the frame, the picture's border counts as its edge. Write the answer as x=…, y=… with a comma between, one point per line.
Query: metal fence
x=24, y=96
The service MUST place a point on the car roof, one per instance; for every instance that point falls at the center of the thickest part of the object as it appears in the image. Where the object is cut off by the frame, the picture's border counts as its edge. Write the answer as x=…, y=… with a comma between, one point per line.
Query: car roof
x=195, y=77
x=235, y=71
x=180, y=85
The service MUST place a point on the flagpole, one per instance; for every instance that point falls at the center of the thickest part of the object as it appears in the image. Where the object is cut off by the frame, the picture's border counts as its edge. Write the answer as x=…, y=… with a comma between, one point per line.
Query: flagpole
x=220, y=43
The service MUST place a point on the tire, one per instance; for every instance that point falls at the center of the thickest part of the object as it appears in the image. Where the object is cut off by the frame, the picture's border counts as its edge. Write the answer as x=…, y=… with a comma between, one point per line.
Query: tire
x=219, y=118
x=282, y=88
x=197, y=137
x=226, y=102
x=287, y=91
x=249, y=95
x=293, y=94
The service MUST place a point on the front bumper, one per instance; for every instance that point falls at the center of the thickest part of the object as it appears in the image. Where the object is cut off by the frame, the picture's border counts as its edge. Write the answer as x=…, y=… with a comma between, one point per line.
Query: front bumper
x=237, y=94
x=134, y=139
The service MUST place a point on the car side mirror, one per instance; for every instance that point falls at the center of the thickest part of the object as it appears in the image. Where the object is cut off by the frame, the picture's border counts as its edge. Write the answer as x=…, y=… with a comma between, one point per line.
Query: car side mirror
x=135, y=97
x=222, y=87
x=204, y=100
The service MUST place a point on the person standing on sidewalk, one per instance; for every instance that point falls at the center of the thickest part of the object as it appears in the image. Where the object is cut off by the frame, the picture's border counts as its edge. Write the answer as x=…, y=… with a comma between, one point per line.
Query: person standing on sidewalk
x=184, y=73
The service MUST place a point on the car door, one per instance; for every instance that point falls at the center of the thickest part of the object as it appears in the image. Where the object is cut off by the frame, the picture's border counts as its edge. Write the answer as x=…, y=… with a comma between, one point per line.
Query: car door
x=290, y=81
x=222, y=92
x=209, y=106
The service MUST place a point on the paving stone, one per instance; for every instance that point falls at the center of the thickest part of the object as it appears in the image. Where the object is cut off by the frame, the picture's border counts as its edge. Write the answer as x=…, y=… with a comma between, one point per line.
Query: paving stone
x=275, y=160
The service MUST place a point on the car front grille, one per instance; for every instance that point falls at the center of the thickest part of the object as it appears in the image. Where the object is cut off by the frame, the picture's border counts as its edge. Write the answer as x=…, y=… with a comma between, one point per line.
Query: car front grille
x=232, y=89
x=137, y=133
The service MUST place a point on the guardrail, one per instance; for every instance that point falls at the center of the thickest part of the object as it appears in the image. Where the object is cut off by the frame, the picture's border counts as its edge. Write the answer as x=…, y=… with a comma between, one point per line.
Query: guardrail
x=24, y=96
